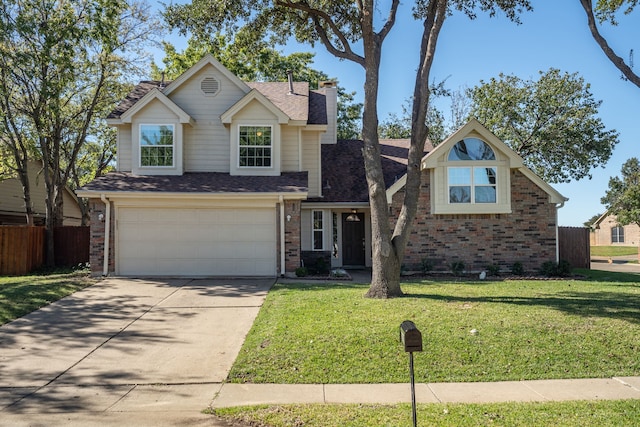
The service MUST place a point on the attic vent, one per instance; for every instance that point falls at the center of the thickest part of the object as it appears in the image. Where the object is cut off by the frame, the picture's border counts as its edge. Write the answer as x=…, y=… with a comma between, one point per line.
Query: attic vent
x=210, y=86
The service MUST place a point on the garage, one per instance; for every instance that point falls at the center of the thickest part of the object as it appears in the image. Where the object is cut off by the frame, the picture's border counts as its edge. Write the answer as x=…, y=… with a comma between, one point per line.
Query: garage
x=154, y=241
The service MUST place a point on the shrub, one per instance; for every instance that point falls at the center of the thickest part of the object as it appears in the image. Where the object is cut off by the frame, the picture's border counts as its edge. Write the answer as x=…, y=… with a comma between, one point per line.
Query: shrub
x=426, y=265
x=457, y=267
x=493, y=270
x=556, y=269
x=321, y=266
x=302, y=272
x=517, y=268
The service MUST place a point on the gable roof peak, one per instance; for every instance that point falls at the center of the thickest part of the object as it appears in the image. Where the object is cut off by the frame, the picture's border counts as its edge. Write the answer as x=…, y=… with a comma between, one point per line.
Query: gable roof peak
x=207, y=59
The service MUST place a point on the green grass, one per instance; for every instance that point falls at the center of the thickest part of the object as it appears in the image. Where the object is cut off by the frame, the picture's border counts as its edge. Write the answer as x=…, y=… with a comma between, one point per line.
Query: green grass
x=318, y=333
x=559, y=414
x=614, y=250
x=20, y=295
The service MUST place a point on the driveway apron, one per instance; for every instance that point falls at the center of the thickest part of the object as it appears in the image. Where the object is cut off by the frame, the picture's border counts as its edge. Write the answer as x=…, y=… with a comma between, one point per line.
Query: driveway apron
x=126, y=344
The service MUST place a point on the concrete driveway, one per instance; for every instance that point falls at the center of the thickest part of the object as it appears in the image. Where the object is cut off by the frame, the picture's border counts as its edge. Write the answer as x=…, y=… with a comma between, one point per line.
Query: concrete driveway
x=126, y=352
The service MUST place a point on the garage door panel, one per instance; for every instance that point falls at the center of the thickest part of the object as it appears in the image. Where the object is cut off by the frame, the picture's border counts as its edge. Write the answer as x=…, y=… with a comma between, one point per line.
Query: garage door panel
x=196, y=242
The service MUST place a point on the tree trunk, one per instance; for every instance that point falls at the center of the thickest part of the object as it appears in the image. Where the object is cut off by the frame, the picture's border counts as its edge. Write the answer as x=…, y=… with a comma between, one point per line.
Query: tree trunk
x=26, y=193
x=388, y=248
x=385, y=277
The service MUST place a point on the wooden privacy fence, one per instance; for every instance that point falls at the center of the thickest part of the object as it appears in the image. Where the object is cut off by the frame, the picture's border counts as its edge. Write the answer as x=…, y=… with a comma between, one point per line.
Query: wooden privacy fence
x=71, y=245
x=21, y=249
x=573, y=245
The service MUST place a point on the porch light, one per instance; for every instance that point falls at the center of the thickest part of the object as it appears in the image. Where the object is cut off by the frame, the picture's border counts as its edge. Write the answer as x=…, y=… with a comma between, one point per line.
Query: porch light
x=353, y=217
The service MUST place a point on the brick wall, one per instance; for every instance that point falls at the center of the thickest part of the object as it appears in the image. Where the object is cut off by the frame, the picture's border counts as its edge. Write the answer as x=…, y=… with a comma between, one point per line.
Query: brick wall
x=97, y=234
x=292, y=236
x=527, y=235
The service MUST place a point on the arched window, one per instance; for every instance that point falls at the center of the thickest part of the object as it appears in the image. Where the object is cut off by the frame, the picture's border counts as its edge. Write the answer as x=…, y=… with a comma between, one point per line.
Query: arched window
x=473, y=183
x=471, y=149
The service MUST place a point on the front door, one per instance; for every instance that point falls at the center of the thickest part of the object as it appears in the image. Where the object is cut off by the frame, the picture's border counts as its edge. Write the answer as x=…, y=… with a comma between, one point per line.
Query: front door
x=353, y=239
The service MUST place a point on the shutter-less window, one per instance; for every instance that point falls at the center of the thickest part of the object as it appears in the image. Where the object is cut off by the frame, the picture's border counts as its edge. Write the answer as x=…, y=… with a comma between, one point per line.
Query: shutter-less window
x=209, y=86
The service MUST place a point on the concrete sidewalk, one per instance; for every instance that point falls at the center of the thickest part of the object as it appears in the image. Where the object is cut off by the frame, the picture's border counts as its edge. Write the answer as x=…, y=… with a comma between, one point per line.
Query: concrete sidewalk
x=505, y=391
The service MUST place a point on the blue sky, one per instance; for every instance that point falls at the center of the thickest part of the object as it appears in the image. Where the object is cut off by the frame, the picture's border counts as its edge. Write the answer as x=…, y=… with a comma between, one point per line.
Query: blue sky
x=554, y=35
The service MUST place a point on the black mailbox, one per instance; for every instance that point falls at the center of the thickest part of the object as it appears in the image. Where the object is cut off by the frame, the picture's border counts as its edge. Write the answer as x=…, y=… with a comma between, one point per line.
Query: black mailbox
x=410, y=336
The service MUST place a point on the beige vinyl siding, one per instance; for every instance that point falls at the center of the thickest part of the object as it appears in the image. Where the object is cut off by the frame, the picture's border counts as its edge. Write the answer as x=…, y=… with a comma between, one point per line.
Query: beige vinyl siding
x=124, y=148
x=12, y=198
x=290, y=149
x=206, y=143
x=70, y=210
x=311, y=160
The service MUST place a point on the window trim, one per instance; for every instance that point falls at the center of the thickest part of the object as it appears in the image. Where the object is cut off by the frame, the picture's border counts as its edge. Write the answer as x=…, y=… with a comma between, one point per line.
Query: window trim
x=240, y=146
x=320, y=230
x=141, y=146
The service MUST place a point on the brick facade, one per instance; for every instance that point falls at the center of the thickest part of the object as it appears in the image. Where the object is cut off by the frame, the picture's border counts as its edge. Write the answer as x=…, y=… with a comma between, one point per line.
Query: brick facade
x=527, y=235
x=96, y=250
x=292, y=236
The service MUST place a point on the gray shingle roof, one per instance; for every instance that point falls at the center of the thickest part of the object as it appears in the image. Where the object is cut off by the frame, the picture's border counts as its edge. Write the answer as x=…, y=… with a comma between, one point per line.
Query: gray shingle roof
x=304, y=105
x=200, y=182
x=294, y=105
x=343, y=175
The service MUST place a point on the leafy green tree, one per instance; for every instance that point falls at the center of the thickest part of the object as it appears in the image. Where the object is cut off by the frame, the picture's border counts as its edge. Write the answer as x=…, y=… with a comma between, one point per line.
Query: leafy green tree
x=262, y=63
x=623, y=196
x=61, y=63
x=354, y=31
x=589, y=223
x=399, y=126
x=551, y=123
x=606, y=10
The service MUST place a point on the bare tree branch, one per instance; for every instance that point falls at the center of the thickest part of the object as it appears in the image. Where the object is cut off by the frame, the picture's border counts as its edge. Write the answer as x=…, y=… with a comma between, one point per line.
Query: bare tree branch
x=318, y=17
x=626, y=70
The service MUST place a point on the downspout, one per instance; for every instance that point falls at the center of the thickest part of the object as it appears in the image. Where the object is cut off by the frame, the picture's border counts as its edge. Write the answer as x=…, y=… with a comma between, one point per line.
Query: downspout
x=107, y=234
x=282, y=243
x=558, y=206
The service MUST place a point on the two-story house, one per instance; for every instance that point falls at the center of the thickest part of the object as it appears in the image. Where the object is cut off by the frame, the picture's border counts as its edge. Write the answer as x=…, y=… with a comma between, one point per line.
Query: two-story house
x=220, y=177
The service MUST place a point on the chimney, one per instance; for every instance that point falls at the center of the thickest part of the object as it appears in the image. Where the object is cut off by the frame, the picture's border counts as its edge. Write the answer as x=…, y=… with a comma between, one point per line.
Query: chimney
x=290, y=78
x=330, y=90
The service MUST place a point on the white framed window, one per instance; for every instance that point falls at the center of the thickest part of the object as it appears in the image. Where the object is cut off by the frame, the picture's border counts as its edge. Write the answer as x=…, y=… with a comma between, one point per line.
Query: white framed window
x=317, y=228
x=617, y=234
x=472, y=184
x=157, y=144
x=255, y=146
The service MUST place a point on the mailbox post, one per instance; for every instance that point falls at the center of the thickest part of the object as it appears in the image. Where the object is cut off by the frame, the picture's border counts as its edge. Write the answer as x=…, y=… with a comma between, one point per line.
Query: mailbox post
x=411, y=339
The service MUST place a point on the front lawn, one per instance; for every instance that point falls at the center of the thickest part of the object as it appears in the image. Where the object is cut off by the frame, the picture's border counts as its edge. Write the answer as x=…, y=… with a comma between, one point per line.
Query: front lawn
x=526, y=329
x=612, y=251
x=558, y=414
x=20, y=295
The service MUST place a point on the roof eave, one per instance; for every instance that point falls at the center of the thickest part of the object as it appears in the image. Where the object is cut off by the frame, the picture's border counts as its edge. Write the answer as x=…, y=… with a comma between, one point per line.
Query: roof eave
x=292, y=195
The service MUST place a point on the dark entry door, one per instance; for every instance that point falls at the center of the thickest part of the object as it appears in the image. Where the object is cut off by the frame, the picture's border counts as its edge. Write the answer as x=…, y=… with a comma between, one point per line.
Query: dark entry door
x=353, y=239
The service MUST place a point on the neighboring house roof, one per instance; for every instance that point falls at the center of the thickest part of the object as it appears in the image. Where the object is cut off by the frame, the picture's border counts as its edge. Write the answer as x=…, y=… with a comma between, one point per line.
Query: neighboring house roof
x=197, y=182
x=343, y=174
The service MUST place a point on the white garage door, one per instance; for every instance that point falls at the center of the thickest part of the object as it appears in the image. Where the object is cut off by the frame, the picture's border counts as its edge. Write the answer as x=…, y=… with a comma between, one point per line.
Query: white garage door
x=196, y=242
